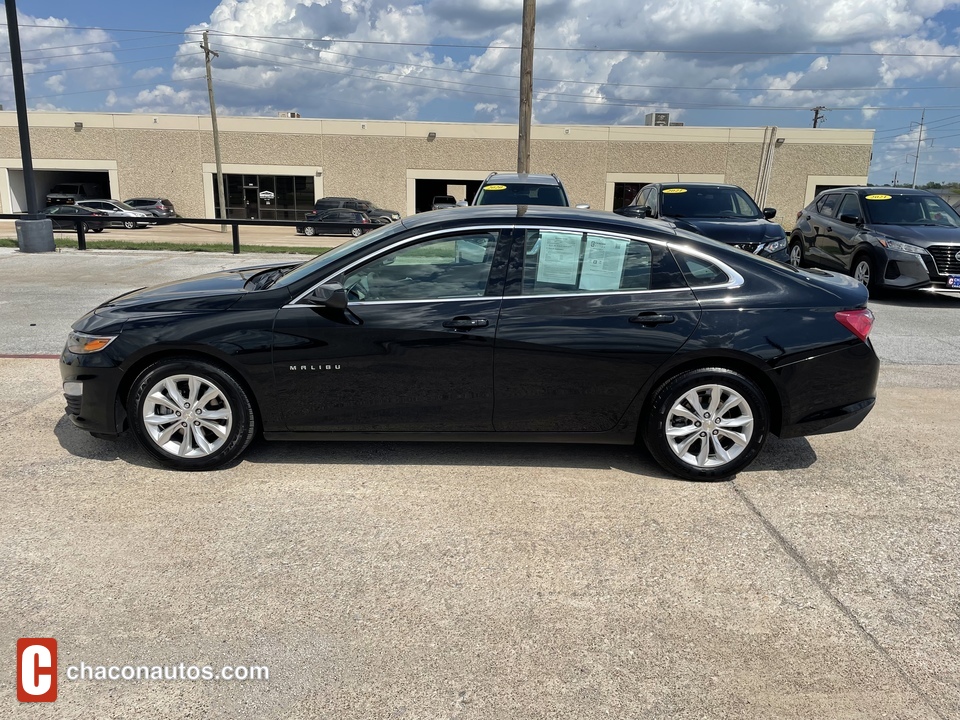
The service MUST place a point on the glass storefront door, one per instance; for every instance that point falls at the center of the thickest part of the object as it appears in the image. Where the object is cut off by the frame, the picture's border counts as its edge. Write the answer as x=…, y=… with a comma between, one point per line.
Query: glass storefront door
x=266, y=197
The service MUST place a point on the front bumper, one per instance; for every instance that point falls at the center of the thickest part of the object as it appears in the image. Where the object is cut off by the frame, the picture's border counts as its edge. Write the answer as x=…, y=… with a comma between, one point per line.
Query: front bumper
x=91, y=391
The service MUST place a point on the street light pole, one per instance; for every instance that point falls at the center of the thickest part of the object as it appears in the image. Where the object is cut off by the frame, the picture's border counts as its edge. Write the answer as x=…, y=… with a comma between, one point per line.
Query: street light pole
x=33, y=233
x=526, y=85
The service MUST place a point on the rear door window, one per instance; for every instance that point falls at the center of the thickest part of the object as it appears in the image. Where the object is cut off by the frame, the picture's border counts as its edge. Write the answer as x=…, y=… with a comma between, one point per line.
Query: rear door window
x=829, y=204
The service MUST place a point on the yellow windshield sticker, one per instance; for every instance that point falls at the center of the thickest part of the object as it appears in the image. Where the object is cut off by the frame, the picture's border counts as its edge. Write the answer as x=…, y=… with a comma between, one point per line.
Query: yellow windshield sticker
x=674, y=191
x=495, y=187
x=878, y=197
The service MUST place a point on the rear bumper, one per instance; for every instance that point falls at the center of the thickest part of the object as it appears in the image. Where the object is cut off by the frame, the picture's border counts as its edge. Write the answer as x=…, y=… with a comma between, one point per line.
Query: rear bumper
x=829, y=393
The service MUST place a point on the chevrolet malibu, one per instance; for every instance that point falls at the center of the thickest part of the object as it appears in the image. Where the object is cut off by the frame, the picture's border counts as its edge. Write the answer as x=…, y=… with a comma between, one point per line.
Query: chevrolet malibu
x=499, y=323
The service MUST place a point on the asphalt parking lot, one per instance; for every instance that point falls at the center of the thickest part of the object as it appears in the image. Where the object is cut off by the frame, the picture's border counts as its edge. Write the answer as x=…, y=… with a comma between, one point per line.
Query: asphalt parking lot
x=389, y=580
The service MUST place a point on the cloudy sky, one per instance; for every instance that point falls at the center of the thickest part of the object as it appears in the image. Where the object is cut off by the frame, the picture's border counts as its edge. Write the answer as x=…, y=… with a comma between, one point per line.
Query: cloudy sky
x=871, y=63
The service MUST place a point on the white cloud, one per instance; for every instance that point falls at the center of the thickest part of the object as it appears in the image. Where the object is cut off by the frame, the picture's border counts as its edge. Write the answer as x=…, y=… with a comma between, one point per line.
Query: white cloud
x=148, y=73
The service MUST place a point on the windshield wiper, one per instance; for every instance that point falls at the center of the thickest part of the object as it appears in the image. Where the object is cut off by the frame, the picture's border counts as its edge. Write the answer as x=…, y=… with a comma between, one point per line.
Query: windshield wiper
x=269, y=277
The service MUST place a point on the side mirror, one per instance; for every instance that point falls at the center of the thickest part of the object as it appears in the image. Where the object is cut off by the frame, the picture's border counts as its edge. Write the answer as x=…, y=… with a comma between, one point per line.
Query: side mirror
x=583, y=206
x=637, y=211
x=462, y=203
x=769, y=213
x=850, y=219
x=332, y=296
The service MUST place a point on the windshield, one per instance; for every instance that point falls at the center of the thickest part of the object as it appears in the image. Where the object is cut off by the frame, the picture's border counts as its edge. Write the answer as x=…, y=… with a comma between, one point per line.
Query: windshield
x=708, y=202
x=311, y=266
x=885, y=209
x=521, y=194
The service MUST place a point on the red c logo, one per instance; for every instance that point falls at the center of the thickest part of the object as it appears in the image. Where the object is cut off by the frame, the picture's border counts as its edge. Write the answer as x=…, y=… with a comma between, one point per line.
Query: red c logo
x=36, y=669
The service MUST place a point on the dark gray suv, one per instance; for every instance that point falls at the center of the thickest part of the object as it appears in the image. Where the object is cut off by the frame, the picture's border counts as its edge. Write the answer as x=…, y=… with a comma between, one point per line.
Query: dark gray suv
x=882, y=236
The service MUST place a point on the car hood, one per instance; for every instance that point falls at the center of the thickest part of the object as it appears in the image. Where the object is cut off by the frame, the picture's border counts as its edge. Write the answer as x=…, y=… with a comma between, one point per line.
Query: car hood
x=213, y=291
x=921, y=235
x=730, y=230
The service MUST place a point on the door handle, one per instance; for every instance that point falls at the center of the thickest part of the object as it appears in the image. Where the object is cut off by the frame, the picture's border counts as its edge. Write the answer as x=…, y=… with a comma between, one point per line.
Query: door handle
x=829, y=229
x=465, y=323
x=653, y=318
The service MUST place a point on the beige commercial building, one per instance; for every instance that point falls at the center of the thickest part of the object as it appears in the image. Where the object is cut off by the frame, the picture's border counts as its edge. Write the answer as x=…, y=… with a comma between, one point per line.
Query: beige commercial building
x=277, y=167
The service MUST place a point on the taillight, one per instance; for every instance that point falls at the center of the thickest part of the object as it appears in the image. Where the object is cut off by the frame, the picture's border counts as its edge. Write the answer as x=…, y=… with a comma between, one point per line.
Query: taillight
x=859, y=322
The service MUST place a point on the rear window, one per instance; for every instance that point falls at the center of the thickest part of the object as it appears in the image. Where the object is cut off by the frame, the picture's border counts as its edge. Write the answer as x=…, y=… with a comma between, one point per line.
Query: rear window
x=700, y=272
x=520, y=194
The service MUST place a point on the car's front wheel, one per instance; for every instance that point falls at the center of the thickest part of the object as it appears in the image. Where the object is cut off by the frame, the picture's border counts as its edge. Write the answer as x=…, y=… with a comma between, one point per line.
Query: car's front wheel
x=129, y=224
x=862, y=270
x=707, y=424
x=796, y=252
x=190, y=414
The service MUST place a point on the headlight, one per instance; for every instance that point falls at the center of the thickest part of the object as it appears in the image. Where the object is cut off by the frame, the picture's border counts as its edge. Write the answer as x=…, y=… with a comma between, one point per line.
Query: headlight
x=902, y=246
x=395, y=216
x=83, y=344
x=776, y=246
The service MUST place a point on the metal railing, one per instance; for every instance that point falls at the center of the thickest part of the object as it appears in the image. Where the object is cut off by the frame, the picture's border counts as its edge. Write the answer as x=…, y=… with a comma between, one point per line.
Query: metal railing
x=234, y=224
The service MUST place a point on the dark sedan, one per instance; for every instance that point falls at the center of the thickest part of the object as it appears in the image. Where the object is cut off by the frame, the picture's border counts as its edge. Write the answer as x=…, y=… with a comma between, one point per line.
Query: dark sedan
x=497, y=323
x=336, y=222
x=722, y=212
x=68, y=217
x=884, y=237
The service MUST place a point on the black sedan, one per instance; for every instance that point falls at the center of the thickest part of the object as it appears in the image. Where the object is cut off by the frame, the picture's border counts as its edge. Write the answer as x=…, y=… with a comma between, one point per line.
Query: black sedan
x=336, y=222
x=498, y=323
x=884, y=237
x=722, y=212
x=68, y=217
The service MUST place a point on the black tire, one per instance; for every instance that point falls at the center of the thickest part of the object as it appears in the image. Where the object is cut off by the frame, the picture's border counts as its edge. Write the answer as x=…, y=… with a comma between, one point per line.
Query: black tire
x=227, y=430
x=97, y=229
x=863, y=270
x=84, y=226
x=795, y=252
x=309, y=231
x=749, y=411
x=129, y=224
x=356, y=232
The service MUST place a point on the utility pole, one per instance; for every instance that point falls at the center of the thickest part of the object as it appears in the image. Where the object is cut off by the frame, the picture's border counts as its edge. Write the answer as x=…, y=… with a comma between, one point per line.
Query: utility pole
x=818, y=115
x=526, y=85
x=916, y=161
x=216, y=133
x=33, y=233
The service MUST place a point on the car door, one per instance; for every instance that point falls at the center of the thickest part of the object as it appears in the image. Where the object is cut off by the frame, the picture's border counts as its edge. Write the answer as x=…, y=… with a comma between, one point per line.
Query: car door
x=586, y=318
x=56, y=214
x=841, y=239
x=413, y=351
x=821, y=225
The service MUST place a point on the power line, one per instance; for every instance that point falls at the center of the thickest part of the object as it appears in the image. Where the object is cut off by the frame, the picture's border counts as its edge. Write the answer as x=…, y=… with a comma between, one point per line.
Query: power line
x=112, y=64
x=464, y=46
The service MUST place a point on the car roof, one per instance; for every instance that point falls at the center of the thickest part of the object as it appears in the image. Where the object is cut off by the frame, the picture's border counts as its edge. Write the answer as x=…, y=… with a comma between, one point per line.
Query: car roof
x=554, y=214
x=878, y=190
x=512, y=177
x=697, y=184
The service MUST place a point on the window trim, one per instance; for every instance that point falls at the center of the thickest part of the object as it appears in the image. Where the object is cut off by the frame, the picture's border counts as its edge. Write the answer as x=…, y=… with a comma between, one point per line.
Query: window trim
x=394, y=246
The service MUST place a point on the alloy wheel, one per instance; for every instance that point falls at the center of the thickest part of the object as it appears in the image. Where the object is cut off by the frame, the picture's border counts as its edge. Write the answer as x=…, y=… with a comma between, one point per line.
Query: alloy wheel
x=709, y=426
x=187, y=416
x=796, y=254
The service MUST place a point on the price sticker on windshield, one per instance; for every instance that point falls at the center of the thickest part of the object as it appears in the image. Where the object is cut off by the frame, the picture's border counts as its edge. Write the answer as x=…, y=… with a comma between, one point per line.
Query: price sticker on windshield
x=674, y=191
x=878, y=197
x=495, y=187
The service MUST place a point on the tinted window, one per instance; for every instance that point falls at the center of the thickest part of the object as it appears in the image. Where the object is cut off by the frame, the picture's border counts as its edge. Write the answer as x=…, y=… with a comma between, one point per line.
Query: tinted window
x=700, y=272
x=451, y=267
x=910, y=210
x=572, y=262
x=829, y=205
x=849, y=206
x=520, y=194
x=707, y=202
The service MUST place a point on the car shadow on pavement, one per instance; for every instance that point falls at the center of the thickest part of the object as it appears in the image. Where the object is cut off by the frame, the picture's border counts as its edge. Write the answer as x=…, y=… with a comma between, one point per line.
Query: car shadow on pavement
x=777, y=455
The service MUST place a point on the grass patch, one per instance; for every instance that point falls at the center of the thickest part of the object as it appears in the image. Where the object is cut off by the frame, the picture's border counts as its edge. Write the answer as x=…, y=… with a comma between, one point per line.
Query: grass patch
x=182, y=247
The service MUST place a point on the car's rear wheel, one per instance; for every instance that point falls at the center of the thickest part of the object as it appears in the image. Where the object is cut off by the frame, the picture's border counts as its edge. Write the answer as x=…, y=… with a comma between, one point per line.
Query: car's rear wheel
x=84, y=226
x=796, y=252
x=309, y=230
x=99, y=228
x=356, y=232
x=862, y=270
x=707, y=424
x=190, y=414
x=129, y=224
